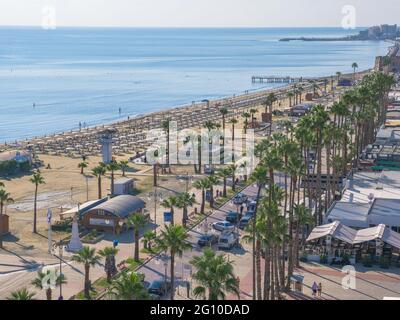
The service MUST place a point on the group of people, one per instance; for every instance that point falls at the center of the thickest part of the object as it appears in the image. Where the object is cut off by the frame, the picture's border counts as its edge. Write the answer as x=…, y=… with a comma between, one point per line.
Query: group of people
x=316, y=289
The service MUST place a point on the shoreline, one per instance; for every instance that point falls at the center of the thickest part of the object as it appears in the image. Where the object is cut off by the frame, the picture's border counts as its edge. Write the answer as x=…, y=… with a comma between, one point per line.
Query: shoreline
x=187, y=116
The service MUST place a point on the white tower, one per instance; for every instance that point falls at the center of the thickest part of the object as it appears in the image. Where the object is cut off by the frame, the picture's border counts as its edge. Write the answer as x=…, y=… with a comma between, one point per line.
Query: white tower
x=75, y=244
x=106, y=140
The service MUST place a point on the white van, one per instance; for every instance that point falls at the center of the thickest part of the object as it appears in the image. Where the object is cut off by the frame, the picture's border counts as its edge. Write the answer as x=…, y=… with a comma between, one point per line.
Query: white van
x=227, y=240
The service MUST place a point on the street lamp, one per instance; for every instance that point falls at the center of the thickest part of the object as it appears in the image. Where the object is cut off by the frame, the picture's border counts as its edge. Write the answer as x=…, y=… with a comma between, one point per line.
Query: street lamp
x=155, y=195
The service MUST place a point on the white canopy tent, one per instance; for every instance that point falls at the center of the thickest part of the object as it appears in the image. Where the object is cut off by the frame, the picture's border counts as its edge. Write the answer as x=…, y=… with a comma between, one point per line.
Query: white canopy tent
x=341, y=232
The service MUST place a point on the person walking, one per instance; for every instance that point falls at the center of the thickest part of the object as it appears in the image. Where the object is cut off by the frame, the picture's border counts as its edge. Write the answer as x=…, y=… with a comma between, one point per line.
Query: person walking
x=319, y=289
x=314, y=289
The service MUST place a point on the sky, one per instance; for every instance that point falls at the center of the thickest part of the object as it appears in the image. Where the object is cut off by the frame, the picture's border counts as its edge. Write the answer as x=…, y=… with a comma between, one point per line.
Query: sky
x=197, y=13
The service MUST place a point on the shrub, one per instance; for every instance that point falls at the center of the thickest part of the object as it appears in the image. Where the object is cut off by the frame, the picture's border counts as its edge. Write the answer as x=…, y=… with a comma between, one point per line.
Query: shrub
x=304, y=257
x=323, y=258
x=367, y=261
x=384, y=263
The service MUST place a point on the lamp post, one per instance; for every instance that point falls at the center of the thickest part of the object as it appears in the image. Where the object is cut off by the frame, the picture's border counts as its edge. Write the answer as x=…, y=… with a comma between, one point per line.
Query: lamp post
x=60, y=255
x=155, y=195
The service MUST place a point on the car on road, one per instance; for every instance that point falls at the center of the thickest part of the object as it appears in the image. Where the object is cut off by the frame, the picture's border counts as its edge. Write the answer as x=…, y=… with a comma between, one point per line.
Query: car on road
x=232, y=217
x=223, y=226
x=239, y=199
x=159, y=287
x=249, y=213
x=228, y=240
x=207, y=240
x=244, y=222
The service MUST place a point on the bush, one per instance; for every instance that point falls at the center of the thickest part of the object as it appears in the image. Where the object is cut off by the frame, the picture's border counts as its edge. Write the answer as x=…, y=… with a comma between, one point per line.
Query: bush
x=345, y=259
x=323, y=258
x=304, y=257
x=12, y=167
x=63, y=226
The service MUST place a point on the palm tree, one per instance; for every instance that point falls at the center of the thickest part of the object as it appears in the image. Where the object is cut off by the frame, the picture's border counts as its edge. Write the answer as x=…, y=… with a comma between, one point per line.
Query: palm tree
x=210, y=126
x=224, y=113
x=44, y=281
x=175, y=240
x=224, y=173
x=246, y=117
x=302, y=216
x=129, y=286
x=112, y=167
x=355, y=67
x=109, y=253
x=82, y=165
x=137, y=222
x=268, y=107
x=165, y=125
x=290, y=95
x=37, y=179
x=338, y=75
x=202, y=185
x=233, y=168
x=215, y=276
x=89, y=258
x=212, y=181
x=22, y=294
x=124, y=165
x=4, y=199
x=148, y=238
x=185, y=200
x=99, y=171
x=253, y=112
x=170, y=203
x=233, y=122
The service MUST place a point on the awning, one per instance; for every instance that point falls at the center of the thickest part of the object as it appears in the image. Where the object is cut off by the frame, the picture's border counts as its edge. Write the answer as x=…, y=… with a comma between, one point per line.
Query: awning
x=341, y=232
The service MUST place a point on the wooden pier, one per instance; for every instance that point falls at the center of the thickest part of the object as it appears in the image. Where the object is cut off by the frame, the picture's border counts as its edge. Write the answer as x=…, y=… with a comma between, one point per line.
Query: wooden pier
x=273, y=79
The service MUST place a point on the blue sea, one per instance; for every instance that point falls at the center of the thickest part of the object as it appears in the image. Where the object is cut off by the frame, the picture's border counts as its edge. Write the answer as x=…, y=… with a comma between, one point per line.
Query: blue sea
x=89, y=75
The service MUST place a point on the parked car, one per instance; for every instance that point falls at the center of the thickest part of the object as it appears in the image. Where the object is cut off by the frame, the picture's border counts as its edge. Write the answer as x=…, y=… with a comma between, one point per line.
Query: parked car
x=239, y=199
x=159, y=287
x=228, y=240
x=244, y=222
x=249, y=213
x=207, y=240
x=251, y=206
x=232, y=217
x=223, y=226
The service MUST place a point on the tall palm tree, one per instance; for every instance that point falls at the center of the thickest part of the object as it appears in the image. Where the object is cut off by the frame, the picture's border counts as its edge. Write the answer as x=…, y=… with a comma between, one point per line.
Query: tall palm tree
x=165, y=125
x=89, y=258
x=233, y=122
x=338, y=76
x=202, y=185
x=253, y=112
x=37, y=179
x=124, y=165
x=98, y=172
x=137, y=222
x=246, y=117
x=271, y=99
x=224, y=112
x=210, y=126
x=185, y=200
x=109, y=253
x=233, y=168
x=4, y=199
x=22, y=294
x=290, y=95
x=170, y=203
x=224, y=173
x=355, y=67
x=302, y=216
x=215, y=276
x=44, y=281
x=128, y=286
x=82, y=165
x=148, y=238
x=212, y=181
x=112, y=167
x=175, y=240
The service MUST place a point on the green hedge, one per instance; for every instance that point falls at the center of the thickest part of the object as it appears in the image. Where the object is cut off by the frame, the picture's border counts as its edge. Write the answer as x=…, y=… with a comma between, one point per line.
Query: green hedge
x=12, y=167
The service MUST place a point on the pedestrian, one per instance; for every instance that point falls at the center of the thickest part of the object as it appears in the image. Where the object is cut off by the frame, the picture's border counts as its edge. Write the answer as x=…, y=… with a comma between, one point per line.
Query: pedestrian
x=188, y=289
x=241, y=209
x=320, y=289
x=314, y=289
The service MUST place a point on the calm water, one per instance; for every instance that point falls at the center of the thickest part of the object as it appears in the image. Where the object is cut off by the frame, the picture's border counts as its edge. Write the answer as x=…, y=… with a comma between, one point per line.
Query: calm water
x=82, y=74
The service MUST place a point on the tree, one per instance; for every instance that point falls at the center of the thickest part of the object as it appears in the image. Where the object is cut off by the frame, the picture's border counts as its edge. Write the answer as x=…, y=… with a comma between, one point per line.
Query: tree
x=82, y=165
x=253, y=112
x=37, y=179
x=98, y=172
x=148, y=239
x=224, y=112
x=170, y=203
x=202, y=185
x=271, y=99
x=175, y=240
x=137, y=222
x=290, y=95
x=109, y=253
x=89, y=258
x=246, y=117
x=128, y=286
x=302, y=216
x=355, y=67
x=124, y=165
x=224, y=173
x=44, y=281
x=165, y=125
x=210, y=126
x=184, y=201
x=212, y=181
x=112, y=167
x=22, y=294
x=215, y=276
x=232, y=169
x=4, y=199
x=233, y=122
